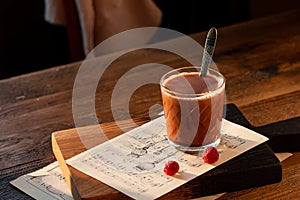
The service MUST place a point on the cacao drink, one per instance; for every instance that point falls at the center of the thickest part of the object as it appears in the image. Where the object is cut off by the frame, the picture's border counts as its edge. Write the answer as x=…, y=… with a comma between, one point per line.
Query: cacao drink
x=193, y=107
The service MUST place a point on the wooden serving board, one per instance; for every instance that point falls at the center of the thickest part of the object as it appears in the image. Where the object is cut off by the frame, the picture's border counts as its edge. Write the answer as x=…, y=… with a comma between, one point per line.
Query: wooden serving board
x=257, y=167
x=284, y=136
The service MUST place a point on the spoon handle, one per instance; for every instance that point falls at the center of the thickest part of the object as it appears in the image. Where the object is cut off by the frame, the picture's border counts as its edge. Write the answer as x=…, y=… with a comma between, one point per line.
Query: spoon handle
x=208, y=52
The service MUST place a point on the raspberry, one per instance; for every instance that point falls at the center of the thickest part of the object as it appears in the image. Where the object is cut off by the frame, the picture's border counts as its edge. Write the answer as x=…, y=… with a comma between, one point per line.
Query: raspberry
x=171, y=168
x=210, y=155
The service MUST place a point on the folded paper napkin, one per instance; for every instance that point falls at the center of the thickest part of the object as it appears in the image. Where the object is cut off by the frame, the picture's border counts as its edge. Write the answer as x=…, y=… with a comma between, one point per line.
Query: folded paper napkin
x=100, y=19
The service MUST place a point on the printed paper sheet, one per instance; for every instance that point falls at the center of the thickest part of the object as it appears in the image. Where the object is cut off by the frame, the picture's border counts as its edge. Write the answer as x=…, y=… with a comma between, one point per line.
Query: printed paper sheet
x=133, y=162
x=46, y=183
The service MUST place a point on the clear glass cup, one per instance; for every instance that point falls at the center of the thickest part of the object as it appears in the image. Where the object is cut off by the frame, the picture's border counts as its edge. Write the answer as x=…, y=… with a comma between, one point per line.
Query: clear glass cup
x=193, y=107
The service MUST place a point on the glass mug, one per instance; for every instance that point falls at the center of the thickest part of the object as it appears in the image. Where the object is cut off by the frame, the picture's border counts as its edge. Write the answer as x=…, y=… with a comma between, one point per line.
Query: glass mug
x=193, y=107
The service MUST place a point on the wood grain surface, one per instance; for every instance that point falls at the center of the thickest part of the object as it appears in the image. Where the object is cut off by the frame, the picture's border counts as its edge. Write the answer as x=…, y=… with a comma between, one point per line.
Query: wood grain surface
x=260, y=60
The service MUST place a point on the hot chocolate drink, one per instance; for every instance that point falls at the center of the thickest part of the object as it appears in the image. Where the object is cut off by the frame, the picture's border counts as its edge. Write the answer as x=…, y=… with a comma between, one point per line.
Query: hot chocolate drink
x=193, y=107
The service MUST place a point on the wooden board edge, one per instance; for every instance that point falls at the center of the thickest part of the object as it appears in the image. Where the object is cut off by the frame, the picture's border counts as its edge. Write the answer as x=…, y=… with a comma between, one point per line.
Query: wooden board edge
x=63, y=166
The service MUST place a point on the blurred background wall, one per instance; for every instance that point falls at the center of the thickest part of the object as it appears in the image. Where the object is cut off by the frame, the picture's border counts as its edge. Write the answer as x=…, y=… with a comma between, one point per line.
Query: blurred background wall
x=28, y=43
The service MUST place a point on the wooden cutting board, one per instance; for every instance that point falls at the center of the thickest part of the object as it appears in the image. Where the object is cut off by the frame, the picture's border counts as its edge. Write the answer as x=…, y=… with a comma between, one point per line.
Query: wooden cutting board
x=257, y=167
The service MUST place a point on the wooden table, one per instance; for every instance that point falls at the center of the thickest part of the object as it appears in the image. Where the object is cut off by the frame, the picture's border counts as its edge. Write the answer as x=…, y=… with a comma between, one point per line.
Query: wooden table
x=260, y=60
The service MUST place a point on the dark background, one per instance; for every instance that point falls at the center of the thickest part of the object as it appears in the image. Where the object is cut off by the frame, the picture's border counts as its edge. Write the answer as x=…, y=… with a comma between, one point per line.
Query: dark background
x=28, y=43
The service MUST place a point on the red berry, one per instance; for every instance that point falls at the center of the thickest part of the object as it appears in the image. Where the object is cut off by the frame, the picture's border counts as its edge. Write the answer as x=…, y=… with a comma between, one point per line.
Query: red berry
x=171, y=168
x=210, y=155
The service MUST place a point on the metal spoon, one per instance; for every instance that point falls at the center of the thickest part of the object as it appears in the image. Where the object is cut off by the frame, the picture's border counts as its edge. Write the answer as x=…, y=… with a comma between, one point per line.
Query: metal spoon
x=208, y=52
